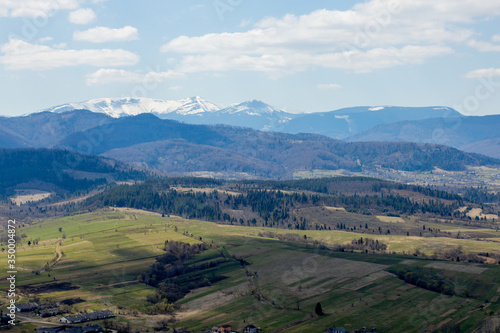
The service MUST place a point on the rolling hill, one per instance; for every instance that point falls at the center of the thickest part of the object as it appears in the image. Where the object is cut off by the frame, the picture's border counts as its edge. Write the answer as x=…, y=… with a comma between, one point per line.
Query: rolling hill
x=58, y=170
x=472, y=134
x=342, y=123
x=44, y=129
x=170, y=146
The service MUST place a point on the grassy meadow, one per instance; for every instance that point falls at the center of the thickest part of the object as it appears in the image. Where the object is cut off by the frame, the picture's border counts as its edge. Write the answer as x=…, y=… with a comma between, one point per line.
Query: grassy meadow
x=97, y=257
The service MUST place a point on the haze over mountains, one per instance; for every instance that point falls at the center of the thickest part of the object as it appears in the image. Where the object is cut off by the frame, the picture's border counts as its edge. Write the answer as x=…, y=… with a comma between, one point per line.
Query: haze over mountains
x=434, y=124
x=474, y=134
x=258, y=115
x=169, y=146
x=262, y=141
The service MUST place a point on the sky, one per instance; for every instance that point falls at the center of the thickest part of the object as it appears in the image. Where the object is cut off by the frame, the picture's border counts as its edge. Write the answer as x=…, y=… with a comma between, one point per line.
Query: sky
x=301, y=56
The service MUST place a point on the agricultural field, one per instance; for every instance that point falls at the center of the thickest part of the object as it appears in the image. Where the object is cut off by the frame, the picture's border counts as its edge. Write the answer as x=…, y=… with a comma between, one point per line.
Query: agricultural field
x=96, y=258
x=24, y=196
x=472, y=176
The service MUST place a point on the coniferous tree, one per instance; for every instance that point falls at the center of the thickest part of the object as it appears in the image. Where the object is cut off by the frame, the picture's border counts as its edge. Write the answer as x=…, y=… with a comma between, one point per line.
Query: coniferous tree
x=318, y=309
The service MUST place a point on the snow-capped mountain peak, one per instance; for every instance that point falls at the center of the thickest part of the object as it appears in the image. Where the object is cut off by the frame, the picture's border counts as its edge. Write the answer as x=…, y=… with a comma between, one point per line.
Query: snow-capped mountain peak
x=259, y=115
x=254, y=107
x=128, y=106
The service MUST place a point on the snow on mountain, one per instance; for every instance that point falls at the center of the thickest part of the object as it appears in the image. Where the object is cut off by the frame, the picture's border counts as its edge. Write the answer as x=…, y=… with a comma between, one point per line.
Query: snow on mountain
x=120, y=107
x=258, y=115
x=253, y=108
x=194, y=110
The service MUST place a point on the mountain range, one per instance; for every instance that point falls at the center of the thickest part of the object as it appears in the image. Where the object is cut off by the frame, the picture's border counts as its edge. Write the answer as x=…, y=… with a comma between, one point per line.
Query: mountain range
x=338, y=124
x=172, y=147
x=148, y=133
x=59, y=171
x=473, y=134
x=195, y=110
x=434, y=124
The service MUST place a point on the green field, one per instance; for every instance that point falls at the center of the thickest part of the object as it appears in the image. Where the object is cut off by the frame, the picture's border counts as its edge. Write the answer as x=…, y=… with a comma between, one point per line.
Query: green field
x=277, y=289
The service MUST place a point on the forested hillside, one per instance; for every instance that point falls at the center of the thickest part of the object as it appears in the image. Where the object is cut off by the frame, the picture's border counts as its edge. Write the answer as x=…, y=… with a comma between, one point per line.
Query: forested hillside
x=358, y=204
x=58, y=170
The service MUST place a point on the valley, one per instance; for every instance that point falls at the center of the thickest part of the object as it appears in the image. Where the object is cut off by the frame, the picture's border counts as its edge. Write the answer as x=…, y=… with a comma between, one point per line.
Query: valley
x=276, y=287
x=178, y=226
x=356, y=258
x=235, y=166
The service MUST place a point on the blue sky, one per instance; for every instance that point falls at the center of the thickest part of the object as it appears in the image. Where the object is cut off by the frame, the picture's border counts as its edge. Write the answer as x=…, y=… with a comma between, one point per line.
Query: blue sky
x=302, y=56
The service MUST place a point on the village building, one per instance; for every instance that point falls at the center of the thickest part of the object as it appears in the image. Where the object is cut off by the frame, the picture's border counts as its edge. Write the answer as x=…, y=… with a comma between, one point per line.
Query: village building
x=71, y=329
x=4, y=320
x=250, y=329
x=49, y=313
x=222, y=329
x=83, y=317
x=27, y=307
x=335, y=330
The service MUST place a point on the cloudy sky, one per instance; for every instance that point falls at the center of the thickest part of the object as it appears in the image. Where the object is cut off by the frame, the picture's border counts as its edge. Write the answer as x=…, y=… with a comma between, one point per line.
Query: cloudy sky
x=299, y=55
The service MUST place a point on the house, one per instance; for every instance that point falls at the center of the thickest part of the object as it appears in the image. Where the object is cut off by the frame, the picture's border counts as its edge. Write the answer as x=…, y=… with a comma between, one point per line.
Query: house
x=335, y=330
x=250, y=329
x=224, y=329
x=28, y=307
x=83, y=317
x=71, y=329
x=4, y=320
x=49, y=313
x=60, y=329
x=48, y=305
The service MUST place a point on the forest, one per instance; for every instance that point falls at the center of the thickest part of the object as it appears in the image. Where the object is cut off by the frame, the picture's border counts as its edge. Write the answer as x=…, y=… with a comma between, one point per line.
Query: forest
x=289, y=204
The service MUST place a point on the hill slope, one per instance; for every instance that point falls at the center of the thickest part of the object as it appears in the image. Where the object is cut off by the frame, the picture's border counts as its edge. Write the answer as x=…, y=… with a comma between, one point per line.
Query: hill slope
x=345, y=122
x=175, y=147
x=128, y=131
x=455, y=132
x=58, y=170
x=44, y=129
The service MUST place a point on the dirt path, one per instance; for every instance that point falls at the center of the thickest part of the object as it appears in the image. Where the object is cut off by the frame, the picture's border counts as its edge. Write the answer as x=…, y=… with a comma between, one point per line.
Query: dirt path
x=59, y=253
x=31, y=320
x=294, y=324
x=58, y=256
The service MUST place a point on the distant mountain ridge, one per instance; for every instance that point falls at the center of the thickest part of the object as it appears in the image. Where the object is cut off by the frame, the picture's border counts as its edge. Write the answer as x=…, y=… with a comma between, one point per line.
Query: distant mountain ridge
x=170, y=146
x=45, y=129
x=173, y=147
x=129, y=106
x=343, y=123
x=479, y=134
x=255, y=114
x=59, y=170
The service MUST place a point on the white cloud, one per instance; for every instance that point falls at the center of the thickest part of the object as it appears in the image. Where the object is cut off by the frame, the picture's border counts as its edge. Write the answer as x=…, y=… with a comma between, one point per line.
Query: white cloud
x=34, y=8
x=374, y=34
x=485, y=72
x=105, y=34
x=245, y=23
x=495, y=39
x=60, y=45
x=483, y=46
x=82, y=16
x=329, y=86
x=18, y=54
x=45, y=39
x=175, y=88
x=110, y=75
x=281, y=64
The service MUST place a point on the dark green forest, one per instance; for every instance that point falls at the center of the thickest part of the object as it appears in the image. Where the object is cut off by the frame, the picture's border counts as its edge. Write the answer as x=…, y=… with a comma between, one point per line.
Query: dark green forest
x=278, y=204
